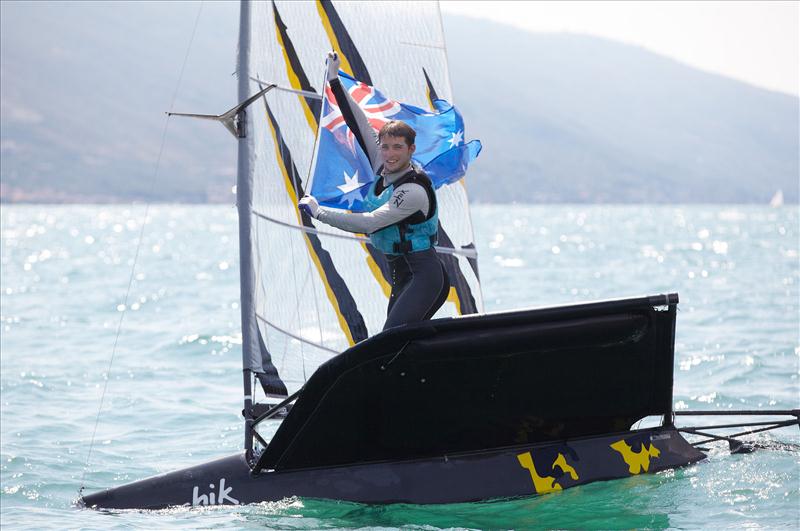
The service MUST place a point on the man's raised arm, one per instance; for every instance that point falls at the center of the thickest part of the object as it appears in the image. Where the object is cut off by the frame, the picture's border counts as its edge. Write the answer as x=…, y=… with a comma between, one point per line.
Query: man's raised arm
x=354, y=117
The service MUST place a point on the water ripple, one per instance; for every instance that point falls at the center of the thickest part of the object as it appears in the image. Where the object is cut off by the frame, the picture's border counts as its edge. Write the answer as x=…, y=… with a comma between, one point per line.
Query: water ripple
x=174, y=392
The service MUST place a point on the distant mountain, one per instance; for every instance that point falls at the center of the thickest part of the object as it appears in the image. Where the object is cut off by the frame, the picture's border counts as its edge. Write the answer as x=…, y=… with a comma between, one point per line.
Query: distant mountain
x=576, y=118
x=83, y=105
x=563, y=118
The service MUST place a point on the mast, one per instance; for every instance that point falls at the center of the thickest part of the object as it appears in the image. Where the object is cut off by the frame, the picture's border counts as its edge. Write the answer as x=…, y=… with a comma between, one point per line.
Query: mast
x=251, y=354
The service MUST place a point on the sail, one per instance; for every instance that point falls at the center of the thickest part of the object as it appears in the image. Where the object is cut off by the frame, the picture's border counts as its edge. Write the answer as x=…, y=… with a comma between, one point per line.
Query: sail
x=777, y=199
x=315, y=290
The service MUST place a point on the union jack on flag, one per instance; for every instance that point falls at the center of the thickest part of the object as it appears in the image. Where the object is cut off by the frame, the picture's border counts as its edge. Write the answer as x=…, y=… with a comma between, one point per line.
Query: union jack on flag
x=342, y=174
x=375, y=105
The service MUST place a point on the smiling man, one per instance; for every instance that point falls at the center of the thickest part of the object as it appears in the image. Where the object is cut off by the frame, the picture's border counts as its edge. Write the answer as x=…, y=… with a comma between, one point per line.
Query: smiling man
x=402, y=221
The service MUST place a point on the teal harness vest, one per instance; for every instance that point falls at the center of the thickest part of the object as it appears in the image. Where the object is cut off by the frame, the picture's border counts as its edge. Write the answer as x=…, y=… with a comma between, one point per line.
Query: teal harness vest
x=415, y=233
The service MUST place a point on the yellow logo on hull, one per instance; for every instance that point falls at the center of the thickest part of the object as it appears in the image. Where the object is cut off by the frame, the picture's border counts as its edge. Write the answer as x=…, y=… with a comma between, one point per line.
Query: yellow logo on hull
x=547, y=483
x=636, y=461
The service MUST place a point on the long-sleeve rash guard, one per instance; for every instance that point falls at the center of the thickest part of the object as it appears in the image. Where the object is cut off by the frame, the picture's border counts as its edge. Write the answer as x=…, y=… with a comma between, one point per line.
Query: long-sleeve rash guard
x=406, y=199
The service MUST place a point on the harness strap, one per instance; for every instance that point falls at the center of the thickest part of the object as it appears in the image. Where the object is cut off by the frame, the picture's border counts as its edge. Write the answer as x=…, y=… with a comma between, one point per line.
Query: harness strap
x=405, y=246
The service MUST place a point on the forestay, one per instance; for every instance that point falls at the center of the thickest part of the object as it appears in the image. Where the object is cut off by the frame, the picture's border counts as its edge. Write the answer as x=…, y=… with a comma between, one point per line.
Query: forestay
x=317, y=290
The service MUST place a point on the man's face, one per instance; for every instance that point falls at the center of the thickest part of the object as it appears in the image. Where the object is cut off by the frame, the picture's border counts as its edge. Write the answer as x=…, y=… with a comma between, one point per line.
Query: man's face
x=396, y=154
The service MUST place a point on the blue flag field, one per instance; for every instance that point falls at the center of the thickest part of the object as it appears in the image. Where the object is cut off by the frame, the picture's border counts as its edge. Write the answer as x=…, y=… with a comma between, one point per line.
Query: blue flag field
x=342, y=175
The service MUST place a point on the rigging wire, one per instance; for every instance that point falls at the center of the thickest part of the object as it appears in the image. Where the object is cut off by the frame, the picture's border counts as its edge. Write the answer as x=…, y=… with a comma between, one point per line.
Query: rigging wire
x=285, y=351
x=316, y=303
x=297, y=185
x=138, y=248
x=310, y=182
x=297, y=307
x=310, y=276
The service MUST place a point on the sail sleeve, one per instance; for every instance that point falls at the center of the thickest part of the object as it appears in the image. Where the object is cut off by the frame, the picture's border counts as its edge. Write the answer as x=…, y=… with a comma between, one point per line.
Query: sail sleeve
x=251, y=352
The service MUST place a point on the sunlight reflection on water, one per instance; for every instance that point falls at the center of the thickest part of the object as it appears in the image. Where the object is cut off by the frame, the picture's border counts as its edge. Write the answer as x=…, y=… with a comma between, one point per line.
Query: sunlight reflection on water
x=174, y=394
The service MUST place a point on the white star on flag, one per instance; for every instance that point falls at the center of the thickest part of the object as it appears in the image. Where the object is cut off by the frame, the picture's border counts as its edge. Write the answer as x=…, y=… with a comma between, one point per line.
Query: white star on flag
x=458, y=137
x=350, y=184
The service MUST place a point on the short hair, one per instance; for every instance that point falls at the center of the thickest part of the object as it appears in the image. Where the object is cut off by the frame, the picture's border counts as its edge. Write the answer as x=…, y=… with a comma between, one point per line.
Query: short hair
x=398, y=128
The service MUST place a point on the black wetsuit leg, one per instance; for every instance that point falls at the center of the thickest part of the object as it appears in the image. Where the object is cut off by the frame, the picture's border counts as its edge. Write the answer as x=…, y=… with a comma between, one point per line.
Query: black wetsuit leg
x=419, y=287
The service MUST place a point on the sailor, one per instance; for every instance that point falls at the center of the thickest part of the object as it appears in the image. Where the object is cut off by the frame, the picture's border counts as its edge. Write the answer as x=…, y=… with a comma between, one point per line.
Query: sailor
x=403, y=220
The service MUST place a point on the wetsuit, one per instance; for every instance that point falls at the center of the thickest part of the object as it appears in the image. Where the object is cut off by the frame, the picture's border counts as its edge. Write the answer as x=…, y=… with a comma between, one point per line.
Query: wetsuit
x=419, y=280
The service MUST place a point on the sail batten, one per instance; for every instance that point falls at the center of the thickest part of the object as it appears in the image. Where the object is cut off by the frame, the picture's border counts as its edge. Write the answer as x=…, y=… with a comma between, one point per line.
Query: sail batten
x=468, y=252
x=295, y=336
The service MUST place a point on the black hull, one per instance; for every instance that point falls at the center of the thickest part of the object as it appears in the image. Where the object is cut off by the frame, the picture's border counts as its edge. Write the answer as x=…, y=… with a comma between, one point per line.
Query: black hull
x=458, y=410
x=509, y=472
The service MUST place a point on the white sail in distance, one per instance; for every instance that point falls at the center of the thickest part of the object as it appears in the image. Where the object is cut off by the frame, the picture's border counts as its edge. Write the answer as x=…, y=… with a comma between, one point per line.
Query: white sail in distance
x=318, y=290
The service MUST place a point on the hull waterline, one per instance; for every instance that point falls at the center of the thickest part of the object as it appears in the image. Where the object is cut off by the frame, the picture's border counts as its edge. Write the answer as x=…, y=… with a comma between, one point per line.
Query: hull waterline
x=510, y=472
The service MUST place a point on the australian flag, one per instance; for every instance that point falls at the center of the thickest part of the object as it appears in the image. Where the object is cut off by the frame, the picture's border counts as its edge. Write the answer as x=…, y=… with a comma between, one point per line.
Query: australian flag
x=342, y=174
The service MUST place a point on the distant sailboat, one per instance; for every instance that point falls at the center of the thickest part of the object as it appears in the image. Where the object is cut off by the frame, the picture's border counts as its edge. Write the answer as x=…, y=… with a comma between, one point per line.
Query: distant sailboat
x=777, y=199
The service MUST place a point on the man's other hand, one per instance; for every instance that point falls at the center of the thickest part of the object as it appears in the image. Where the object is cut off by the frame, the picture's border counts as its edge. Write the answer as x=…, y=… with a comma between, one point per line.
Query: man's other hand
x=309, y=205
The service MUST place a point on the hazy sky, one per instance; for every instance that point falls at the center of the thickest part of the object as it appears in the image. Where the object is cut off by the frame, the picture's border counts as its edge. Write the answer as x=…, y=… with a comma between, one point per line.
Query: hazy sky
x=756, y=42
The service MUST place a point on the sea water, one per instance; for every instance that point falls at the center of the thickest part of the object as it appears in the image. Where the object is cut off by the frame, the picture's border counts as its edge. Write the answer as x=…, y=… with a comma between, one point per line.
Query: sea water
x=174, y=385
